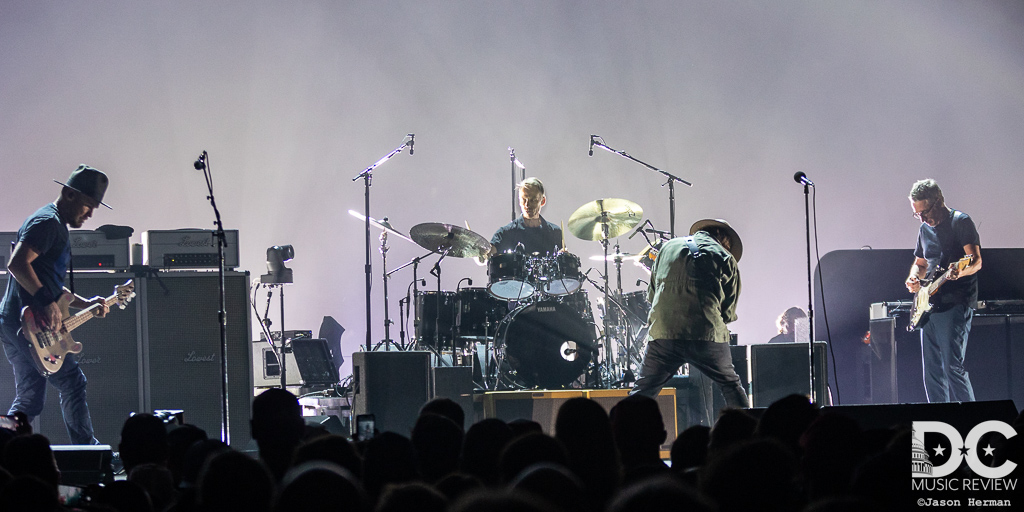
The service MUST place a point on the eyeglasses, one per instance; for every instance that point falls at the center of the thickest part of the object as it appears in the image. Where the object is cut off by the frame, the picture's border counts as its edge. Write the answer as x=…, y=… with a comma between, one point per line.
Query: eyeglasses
x=922, y=213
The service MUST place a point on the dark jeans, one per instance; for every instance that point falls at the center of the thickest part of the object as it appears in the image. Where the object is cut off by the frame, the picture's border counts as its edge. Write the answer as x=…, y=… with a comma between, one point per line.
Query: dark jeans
x=30, y=386
x=664, y=357
x=943, y=345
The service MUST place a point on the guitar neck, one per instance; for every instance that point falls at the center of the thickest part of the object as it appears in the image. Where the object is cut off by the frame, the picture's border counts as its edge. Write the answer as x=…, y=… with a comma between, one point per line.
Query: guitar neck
x=76, y=320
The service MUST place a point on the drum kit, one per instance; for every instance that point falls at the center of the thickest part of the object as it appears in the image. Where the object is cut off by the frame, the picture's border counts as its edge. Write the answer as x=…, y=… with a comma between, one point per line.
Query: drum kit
x=532, y=325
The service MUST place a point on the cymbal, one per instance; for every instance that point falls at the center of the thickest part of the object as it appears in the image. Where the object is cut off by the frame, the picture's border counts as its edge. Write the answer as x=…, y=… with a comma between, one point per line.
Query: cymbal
x=620, y=215
x=382, y=225
x=613, y=256
x=460, y=242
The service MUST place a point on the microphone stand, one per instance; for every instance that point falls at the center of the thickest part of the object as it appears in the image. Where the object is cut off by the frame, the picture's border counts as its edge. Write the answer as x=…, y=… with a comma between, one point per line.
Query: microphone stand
x=367, y=176
x=515, y=163
x=810, y=291
x=222, y=317
x=596, y=140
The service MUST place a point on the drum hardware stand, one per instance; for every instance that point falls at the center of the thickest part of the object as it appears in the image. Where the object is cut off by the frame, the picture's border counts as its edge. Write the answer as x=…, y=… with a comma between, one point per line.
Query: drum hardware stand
x=367, y=176
x=596, y=140
x=415, y=262
x=387, y=341
x=456, y=330
x=436, y=272
x=515, y=192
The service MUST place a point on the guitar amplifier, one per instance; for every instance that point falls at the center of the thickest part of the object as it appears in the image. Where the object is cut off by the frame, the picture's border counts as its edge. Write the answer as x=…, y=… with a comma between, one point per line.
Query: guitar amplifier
x=183, y=249
x=7, y=241
x=92, y=250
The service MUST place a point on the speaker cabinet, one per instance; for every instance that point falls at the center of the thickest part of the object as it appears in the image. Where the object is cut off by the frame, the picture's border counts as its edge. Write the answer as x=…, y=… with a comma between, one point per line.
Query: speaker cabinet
x=392, y=386
x=84, y=465
x=110, y=359
x=781, y=369
x=539, y=406
x=456, y=384
x=182, y=360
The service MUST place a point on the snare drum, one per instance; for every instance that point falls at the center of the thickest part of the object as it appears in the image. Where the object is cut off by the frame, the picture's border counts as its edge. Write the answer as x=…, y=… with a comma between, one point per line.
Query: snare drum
x=508, y=276
x=562, y=275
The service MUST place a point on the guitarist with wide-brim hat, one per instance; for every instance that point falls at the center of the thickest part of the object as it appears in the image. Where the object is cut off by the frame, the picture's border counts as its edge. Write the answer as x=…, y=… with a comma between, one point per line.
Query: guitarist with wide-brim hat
x=37, y=267
x=946, y=237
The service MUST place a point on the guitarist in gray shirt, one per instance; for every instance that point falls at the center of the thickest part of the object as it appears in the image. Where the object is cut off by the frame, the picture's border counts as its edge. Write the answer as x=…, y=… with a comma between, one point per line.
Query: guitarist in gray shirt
x=37, y=267
x=946, y=237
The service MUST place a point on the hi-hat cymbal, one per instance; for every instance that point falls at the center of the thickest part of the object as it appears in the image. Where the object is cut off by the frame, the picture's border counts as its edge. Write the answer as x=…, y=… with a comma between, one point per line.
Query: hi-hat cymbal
x=620, y=215
x=460, y=242
x=615, y=255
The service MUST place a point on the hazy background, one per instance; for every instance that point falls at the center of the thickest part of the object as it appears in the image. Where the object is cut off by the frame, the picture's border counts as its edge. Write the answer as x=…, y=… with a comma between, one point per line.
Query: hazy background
x=293, y=99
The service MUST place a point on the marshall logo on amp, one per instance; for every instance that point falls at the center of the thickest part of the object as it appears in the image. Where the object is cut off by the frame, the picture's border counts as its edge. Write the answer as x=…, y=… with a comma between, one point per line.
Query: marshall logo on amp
x=188, y=249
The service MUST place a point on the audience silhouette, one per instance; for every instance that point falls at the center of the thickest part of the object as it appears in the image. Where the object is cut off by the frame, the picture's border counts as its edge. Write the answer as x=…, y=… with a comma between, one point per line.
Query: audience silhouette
x=793, y=457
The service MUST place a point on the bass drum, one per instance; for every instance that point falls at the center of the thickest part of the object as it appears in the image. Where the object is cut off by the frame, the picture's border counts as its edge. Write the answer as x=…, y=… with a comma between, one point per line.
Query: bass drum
x=547, y=344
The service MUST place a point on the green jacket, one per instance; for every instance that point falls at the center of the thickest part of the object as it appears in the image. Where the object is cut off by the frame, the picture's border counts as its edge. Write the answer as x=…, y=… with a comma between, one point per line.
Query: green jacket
x=693, y=298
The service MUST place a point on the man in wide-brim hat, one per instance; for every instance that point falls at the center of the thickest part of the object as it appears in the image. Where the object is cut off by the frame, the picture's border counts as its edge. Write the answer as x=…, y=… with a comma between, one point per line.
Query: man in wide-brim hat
x=38, y=264
x=694, y=288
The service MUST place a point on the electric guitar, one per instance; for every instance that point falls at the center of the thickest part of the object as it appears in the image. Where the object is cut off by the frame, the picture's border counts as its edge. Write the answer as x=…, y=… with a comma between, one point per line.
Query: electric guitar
x=52, y=347
x=922, y=301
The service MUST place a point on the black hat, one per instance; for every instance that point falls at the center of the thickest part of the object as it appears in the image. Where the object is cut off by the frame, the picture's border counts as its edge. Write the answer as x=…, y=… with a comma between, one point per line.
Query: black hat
x=88, y=181
x=734, y=238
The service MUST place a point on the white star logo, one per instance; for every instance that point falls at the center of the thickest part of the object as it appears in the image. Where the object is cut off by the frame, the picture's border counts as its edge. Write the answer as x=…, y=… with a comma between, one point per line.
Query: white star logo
x=939, y=451
x=988, y=450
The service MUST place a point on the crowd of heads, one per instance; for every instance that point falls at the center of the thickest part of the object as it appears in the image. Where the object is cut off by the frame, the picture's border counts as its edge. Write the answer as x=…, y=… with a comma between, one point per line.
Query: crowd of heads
x=792, y=456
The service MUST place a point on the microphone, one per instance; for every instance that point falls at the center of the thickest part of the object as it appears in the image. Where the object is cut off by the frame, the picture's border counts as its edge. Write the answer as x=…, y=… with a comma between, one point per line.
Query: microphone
x=639, y=229
x=469, y=281
x=200, y=162
x=412, y=143
x=801, y=178
x=592, y=145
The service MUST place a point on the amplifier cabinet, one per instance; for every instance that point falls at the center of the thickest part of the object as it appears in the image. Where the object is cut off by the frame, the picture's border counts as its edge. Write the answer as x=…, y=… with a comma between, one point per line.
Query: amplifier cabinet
x=111, y=357
x=182, y=355
x=781, y=369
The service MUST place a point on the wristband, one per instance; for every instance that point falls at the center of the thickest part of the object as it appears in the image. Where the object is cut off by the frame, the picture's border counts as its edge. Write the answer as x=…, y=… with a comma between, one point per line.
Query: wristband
x=43, y=298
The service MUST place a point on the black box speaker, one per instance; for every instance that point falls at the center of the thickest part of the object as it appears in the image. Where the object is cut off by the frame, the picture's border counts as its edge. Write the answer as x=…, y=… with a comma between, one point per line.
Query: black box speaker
x=183, y=352
x=331, y=423
x=110, y=359
x=456, y=384
x=392, y=386
x=84, y=465
x=781, y=369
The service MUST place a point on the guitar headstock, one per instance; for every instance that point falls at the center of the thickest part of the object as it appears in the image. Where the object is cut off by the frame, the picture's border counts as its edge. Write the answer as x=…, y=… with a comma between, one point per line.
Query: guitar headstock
x=124, y=293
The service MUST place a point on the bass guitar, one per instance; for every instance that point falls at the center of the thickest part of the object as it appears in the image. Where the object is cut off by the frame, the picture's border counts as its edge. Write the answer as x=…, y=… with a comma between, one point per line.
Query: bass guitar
x=51, y=347
x=922, y=301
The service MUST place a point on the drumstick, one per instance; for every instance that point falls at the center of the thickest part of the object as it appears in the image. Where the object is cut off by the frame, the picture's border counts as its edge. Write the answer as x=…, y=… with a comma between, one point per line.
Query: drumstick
x=561, y=225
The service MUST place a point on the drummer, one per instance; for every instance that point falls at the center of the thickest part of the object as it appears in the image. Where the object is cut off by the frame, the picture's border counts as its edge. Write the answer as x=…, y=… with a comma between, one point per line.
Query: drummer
x=536, y=234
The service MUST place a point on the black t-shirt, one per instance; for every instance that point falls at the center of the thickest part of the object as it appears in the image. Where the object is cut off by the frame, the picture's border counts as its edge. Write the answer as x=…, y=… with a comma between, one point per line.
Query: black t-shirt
x=544, y=239
x=944, y=245
x=47, y=233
